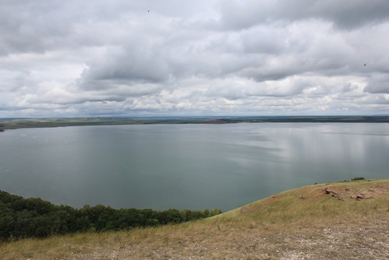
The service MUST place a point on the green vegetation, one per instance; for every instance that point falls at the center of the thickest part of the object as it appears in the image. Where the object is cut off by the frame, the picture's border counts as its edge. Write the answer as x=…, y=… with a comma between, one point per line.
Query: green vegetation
x=355, y=179
x=358, y=179
x=32, y=217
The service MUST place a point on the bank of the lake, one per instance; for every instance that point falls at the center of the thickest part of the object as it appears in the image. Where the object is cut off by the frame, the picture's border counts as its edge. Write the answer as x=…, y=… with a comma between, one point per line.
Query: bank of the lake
x=343, y=220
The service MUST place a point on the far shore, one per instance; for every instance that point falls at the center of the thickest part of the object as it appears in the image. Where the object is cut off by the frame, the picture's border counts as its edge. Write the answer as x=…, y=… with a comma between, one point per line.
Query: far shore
x=90, y=121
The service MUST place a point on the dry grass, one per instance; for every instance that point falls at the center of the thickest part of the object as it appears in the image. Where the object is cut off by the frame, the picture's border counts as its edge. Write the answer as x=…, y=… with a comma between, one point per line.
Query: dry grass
x=314, y=222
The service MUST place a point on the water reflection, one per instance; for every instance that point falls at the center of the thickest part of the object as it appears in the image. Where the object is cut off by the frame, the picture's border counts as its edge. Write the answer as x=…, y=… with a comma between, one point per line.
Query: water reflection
x=186, y=166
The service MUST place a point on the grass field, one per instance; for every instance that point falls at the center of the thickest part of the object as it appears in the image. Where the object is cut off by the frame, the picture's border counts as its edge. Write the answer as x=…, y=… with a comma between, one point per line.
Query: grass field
x=344, y=220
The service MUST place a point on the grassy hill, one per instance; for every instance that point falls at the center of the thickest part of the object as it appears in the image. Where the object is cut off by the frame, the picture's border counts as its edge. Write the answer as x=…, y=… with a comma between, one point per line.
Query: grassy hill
x=345, y=220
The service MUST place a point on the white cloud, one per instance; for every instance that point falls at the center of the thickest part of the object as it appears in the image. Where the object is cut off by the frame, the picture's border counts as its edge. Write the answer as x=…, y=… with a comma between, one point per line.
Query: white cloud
x=72, y=58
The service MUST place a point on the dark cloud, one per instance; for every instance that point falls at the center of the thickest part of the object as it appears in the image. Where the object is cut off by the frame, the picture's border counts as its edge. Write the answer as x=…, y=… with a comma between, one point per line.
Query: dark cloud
x=378, y=87
x=29, y=26
x=378, y=84
x=343, y=14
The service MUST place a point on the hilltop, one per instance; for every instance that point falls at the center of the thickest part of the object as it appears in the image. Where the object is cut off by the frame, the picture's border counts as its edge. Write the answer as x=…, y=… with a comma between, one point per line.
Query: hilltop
x=344, y=220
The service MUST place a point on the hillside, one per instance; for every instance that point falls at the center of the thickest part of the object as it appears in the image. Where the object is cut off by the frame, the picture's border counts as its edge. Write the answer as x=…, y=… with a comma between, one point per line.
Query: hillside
x=344, y=220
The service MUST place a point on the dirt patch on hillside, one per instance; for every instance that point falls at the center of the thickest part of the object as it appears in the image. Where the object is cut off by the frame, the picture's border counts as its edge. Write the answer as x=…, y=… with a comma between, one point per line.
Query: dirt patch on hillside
x=343, y=192
x=350, y=192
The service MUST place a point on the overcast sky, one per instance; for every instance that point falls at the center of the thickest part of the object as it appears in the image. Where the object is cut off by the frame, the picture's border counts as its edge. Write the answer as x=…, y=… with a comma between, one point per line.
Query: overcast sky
x=206, y=57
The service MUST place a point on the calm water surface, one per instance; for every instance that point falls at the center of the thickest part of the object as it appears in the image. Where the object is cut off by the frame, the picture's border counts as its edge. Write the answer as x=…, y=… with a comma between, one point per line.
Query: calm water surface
x=186, y=166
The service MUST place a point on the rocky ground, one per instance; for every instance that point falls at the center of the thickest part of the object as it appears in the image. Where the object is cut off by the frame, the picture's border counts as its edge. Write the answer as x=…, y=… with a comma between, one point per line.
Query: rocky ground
x=369, y=241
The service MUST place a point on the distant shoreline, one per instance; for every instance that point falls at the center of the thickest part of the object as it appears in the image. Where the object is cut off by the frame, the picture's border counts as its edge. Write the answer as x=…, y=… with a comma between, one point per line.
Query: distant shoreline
x=89, y=121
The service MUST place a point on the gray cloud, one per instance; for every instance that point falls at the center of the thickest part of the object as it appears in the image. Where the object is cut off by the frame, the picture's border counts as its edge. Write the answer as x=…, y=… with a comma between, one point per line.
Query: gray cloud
x=204, y=57
x=344, y=14
x=378, y=84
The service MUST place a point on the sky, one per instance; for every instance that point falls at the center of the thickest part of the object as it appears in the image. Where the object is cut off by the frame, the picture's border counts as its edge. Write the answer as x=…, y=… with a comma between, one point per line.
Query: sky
x=193, y=58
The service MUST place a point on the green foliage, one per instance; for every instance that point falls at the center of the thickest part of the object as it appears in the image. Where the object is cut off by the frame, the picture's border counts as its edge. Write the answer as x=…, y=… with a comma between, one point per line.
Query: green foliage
x=358, y=179
x=23, y=218
x=355, y=179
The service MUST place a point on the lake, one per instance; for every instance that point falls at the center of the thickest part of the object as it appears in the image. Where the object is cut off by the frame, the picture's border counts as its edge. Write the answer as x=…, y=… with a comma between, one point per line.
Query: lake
x=186, y=166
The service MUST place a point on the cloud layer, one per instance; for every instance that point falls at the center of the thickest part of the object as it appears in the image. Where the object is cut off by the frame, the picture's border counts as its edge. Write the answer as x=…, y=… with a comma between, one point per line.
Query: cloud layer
x=246, y=57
